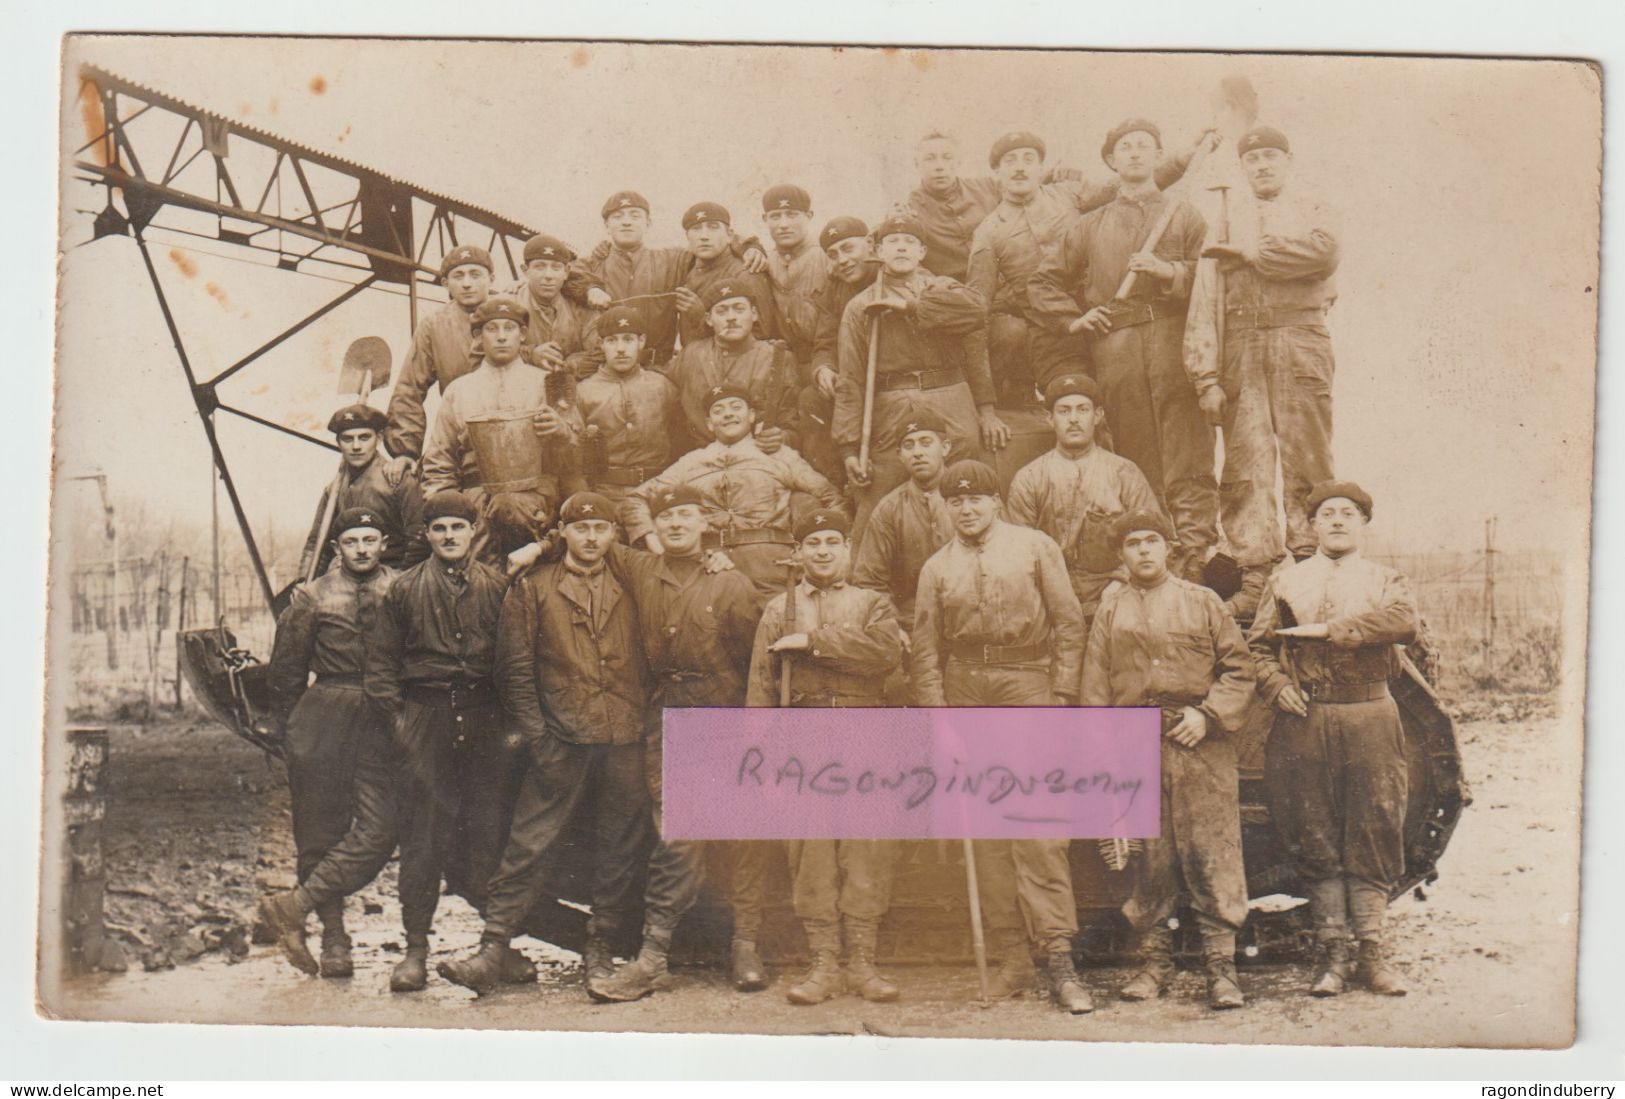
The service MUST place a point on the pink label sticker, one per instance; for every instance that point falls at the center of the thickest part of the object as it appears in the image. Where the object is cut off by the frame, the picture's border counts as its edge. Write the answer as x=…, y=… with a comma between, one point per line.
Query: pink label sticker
x=983, y=773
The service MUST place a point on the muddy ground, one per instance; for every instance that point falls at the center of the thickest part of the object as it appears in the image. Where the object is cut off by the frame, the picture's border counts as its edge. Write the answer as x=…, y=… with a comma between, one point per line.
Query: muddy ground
x=198, y=823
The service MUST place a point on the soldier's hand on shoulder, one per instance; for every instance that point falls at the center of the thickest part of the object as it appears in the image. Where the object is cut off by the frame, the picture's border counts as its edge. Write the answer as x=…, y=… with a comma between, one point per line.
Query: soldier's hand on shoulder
x=601, y=251
x=770, y=440
x=1191, y=730
x=652, y=543
x=523, y=558
x=755, y=259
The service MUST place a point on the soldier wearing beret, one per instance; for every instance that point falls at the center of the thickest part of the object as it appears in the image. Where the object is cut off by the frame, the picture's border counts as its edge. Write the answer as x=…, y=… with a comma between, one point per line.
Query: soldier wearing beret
x=697, y=617
x=574, y=680
x=928, y=358
x=851, y=266
x=428, y=681
x=1326, y=640
x=1272, y=386
x=1075, y=491
x=842, y=644
x=559, y=334
x=503, y=383
x=732, y=355
x=996, y=624
x=796, y=267
x=1162, y=641
x=633, y=421
x=326, y=723
x=747, y=491
x=717, y=263
x=387, y=488
x=1135, y=342
x=443, y=347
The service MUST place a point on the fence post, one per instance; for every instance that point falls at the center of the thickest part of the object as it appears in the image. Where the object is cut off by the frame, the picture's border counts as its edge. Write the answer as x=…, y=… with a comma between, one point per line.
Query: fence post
x=1489, y=586
x=180, y=624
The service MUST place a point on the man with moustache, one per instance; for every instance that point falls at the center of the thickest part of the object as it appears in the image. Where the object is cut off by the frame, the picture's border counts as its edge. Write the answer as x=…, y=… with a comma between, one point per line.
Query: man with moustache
x=647, y=279
x=443, y=347
x=709, y=227
x=747, y=491
x=1136, y=342
x=387, y=488
x=1074, y=492
x=1326, y=638
x=324, y=724
x=502, y=383
x=996, y=624
x=842, y=645
x=796, y=267
x=559, y=335
x=1162, y=641
x=733, y=355
x=927, y=359
x=574, y=681
x=440, y=776
x=1272, y=388
x=631, y=415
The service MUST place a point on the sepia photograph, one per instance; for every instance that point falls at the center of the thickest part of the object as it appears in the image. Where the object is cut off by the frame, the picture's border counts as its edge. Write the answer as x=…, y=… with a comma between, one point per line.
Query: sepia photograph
x=1160, y=482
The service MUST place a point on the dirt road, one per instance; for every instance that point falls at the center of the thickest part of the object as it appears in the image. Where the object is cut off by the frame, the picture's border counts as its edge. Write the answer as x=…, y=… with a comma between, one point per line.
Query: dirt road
x=198, y=823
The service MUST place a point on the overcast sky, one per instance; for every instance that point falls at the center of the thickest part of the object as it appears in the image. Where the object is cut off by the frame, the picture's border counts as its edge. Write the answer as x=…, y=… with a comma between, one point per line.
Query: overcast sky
x=1466, y=192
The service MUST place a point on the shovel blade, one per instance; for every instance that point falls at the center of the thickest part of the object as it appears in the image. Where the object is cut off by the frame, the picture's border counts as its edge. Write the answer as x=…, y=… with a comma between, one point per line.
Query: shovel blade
x=366, y=366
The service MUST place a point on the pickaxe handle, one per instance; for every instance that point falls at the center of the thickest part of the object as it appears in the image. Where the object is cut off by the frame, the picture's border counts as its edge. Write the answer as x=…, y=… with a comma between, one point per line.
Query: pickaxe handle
x=869, y=375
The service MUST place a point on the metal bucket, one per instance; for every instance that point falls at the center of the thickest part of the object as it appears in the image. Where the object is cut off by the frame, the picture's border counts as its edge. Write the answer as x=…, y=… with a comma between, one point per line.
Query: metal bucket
x=508, y=452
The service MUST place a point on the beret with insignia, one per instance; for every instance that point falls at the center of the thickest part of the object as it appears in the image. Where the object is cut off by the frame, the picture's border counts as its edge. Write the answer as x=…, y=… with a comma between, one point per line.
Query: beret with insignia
x=1129, y=522
x=823, y=519
x=449, y=504
x=357, y=417
x=1334, y=490
x=464, y=254
x=1020, y=139
x=1071, y=385
x=923, y=420
x=901, y=223
x=498, y=308
x=786, y=196
x=625, y=200
x=724, y=391
x=351, y=518
x=969, y=478
x=543, y=246
x=702, y=212
x=585, y=505
x=840, y=229
x=736, y=288
x=675, y=496
x=1262, y=137
x=1123, y=129
x=621, y=319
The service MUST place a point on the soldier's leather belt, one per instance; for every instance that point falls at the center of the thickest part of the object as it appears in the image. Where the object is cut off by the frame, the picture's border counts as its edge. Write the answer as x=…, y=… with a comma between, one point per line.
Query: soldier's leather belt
x=1129, y=314
x=834, y=700
x=754, y=536
x=918, y=379
x=351, y=682
x=973, y=653
x=473, y=692
x=679, y=675
x=625, y=476
x=1346, y=692
x=1237, y=319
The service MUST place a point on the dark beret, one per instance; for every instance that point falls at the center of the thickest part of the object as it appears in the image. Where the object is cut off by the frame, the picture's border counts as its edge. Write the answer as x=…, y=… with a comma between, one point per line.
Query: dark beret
x=1019, y=139
x=824, y=519
x=924, y=419
x=1332, y=490
x=901, y=223
x=675, y=496
x=466, y=253
x=1071, y=385
x=355, y=417
x=840, y=229
x=1129, y=522
x=621, y=319
x=624, y=200
x=449, y=504
x=724, y=391
x=585, y=505
x=1128, y=126
x=543, y=246
x=786, y=196
x=501, y=308
x=702, y=212
x=350, y=518
x=735, y=288
x=1262, y=137
x=970, y=478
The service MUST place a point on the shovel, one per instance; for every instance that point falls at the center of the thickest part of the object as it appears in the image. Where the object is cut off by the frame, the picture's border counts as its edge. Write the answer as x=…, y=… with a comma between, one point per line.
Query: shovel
x=365, y=368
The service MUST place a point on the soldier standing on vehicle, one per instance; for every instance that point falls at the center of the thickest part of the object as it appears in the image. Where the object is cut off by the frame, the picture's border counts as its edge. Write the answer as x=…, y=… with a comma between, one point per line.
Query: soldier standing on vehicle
x=1326, y=639
x=443, y=348
x=386, y=487
x=560, y=334
x=631, y=414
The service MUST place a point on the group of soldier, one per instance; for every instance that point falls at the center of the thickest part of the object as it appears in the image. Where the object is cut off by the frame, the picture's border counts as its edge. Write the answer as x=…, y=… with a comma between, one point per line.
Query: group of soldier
x=734, y=459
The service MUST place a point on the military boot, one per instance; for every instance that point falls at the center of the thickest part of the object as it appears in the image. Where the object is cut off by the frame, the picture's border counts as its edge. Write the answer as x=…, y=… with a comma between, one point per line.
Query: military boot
x=336, y=960
x=822, y=982
x=481, y=971
x=597, y=961
x=1066, y=988
x=284, y=915
x=636, y=979
x=1219, y=959
x=861, y=975
x=1334, y=966
x=1016, y=973
x=1328, y=908
x=1156, y=965
x=746, y=967
x=1376, y=973
x=411, y=973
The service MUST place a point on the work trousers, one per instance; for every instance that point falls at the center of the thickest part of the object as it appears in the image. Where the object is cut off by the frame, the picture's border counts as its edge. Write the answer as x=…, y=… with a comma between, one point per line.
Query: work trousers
x=1023, y=885
x=325, y=733
x=1337, y=782
x=564, y=780
x=1055, y=355
x=815, y=413
x=676, y=867
x=835, y=878
x=1010, y=359
x=355, y=860
x=1197, y=859
x=1278, y=384
x=1155, y=423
